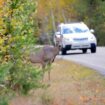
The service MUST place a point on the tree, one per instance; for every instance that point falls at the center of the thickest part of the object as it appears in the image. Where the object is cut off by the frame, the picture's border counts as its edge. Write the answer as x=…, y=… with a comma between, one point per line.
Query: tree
x=52, y=12
x=17, y=34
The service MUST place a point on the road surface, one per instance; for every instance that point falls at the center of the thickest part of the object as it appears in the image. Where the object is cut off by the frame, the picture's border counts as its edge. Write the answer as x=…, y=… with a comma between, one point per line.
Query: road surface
x=95, y=61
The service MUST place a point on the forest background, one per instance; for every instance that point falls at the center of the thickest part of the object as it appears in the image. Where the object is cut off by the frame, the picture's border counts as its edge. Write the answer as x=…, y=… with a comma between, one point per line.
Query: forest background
x=24, y=22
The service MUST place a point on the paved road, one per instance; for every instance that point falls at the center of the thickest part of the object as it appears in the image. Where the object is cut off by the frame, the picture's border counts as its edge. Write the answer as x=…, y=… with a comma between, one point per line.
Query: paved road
x=95, y=61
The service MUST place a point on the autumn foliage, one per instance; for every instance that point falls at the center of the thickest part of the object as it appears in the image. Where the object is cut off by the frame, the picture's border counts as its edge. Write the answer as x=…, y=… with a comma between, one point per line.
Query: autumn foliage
x=52, y=12
x=17, y=30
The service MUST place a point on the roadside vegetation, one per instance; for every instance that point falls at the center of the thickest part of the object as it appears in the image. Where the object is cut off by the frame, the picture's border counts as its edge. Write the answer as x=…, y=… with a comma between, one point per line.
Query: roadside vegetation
x=71, y=84
x=17, y=28
x=22, y=23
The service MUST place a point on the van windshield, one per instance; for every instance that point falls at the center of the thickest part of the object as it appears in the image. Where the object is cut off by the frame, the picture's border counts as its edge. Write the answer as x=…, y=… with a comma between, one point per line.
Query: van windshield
x=67, y=31
x=79, y=30
x=70, y=30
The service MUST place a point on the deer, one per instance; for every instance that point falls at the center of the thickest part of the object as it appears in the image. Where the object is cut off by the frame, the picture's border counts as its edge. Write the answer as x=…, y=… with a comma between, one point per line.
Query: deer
x=45, y=57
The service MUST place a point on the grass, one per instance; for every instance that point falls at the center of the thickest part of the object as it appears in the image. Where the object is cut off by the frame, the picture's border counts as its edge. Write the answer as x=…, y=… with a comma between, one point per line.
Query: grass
x=71, y=84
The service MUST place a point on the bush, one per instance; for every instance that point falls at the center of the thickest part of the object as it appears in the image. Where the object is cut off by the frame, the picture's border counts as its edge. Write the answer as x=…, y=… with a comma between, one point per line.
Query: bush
x=16, y=34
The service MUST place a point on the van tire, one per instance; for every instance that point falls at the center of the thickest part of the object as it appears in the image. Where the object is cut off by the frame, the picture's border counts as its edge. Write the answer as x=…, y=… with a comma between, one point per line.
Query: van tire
x=93, y=49
x=63, y=51
x=84, y=50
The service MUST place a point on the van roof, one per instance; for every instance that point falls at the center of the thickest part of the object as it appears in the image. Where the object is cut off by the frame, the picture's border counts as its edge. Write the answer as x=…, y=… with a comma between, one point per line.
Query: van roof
x=71, y=23
x=79, y=24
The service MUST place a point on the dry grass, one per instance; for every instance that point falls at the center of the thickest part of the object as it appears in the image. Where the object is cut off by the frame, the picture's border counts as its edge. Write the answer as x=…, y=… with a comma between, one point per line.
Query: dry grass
x=71, y=84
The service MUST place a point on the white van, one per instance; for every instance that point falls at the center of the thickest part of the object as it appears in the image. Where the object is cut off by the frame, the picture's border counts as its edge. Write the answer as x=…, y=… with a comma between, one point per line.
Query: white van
x=74, y=36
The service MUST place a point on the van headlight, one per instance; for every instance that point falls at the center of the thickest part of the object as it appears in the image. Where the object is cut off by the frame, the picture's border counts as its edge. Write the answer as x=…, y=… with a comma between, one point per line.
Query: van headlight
x=92, y=38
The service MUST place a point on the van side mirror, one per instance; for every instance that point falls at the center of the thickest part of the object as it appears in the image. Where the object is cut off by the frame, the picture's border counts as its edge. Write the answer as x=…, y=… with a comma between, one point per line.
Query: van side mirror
x=92, y=30
x=57, y=34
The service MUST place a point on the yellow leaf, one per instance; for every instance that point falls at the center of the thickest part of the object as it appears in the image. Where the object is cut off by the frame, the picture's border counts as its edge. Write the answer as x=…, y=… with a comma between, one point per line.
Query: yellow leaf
x=1, y=41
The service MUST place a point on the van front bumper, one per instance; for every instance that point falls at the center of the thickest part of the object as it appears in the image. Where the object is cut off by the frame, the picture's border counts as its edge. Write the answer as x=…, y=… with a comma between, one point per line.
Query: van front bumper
x=79, y=46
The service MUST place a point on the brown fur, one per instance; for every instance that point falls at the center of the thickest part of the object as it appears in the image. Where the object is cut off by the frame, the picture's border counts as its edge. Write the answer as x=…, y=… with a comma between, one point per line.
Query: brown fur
x=45, y=57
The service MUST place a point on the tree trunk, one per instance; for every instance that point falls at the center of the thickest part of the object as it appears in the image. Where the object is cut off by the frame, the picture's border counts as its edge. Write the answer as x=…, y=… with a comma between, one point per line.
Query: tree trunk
x=53, y=20
x=64, y=17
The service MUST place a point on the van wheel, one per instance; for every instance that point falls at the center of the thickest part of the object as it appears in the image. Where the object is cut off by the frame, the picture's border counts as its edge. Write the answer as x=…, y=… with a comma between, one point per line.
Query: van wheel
x=84, y=50
x=63, y=51
x=93, y=49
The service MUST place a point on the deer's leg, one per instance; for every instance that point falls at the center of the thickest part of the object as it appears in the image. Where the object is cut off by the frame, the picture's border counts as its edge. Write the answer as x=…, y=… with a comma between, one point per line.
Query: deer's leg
x=49, y=75
x=43, y=70
x=49, y=67
x=49, y=70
